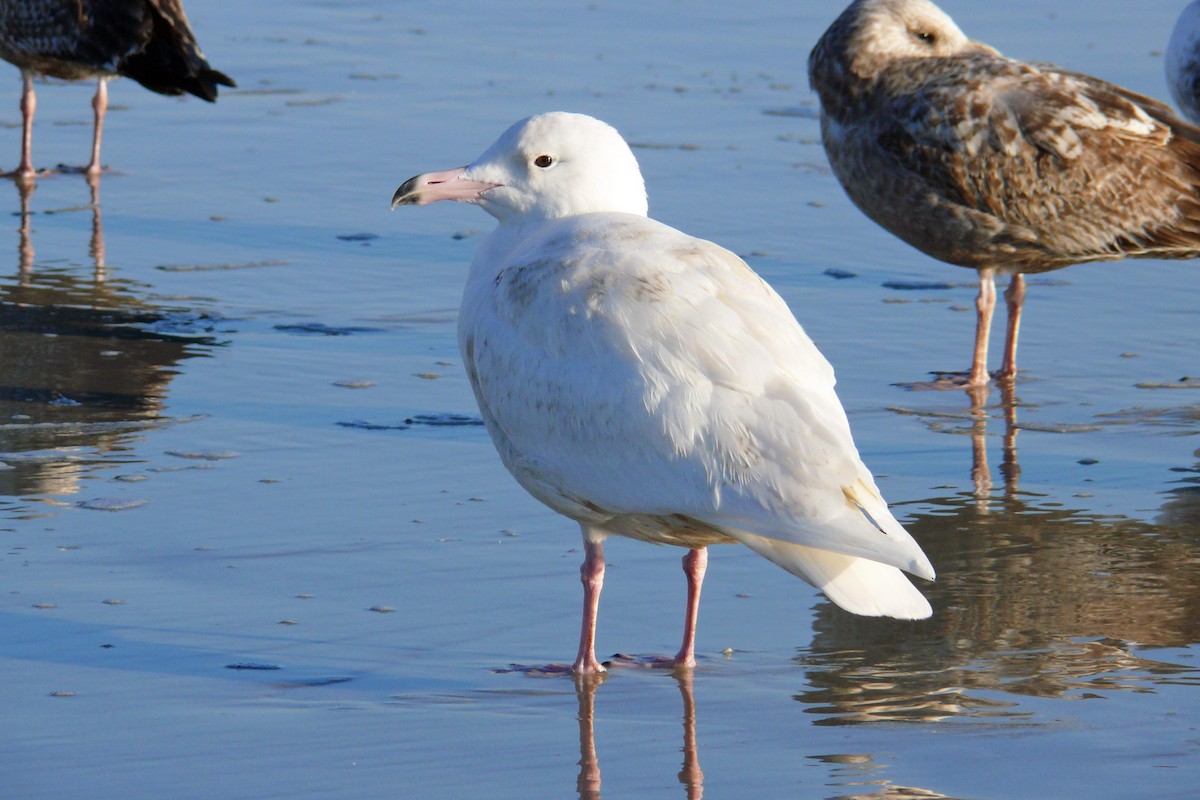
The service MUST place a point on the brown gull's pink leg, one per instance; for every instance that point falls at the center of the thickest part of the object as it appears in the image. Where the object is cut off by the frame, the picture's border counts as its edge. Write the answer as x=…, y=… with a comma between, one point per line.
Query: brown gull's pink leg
x=591, y=574
x=985, y=304
x=1014, y=295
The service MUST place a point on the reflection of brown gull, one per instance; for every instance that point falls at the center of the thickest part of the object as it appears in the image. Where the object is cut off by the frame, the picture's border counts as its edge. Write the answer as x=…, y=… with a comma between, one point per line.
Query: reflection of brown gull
x=997, y=165
x=588, y=783
x=82, y=366
x=1182, y=508
x=1033, y=600
x=147, y=40
x=981, y=475
x=978, y=416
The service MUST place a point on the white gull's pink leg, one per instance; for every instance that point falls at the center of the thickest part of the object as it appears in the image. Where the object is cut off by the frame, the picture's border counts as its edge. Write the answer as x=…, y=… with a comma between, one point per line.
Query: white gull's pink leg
x=591, y=574
x=695, y=563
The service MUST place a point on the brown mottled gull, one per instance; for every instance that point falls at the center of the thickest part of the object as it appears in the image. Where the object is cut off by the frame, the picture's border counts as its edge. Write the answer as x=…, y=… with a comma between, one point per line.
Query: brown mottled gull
x=147, y=40
x=995, y=164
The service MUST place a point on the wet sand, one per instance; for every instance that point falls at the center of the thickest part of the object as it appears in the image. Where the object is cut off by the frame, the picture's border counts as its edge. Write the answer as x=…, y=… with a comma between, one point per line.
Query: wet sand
x=239, y=561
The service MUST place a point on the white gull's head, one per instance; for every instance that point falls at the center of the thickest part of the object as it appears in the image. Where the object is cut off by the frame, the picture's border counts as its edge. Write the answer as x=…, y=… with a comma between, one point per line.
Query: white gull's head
x=544, y=167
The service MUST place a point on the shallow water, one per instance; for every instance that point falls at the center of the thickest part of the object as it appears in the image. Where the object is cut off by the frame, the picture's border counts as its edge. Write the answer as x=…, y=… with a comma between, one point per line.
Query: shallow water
x=242, y=558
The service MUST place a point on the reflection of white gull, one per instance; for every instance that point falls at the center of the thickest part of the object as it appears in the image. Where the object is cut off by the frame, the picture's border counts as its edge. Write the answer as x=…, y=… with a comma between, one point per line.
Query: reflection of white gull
x=994, y=164
x=147, y=40
x=1182, y=62
x=648, y=384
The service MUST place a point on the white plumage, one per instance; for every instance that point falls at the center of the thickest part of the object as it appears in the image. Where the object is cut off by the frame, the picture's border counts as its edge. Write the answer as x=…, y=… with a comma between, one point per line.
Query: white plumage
x=1182, y=62
x=647, y=383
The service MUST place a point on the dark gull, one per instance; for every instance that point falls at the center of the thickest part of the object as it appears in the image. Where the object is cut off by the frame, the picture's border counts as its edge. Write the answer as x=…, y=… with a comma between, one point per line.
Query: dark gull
x=1182, y=62
x=649, y=384
x=147, y=40
x=995, y=164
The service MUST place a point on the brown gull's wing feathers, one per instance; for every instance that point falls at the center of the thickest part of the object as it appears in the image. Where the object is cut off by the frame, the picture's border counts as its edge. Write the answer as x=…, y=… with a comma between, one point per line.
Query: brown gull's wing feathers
x=1030, y=166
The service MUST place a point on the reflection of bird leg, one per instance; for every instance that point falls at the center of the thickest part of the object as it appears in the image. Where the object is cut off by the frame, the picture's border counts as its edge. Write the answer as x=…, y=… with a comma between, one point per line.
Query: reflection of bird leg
x=96, y=245
x=981, y=475
x=99, y=105
x=588, y=783
x=25, y=240
x=985, y=304
x=1009, y=466
x=695, y=563
x=690, y=776
x=1014, y=295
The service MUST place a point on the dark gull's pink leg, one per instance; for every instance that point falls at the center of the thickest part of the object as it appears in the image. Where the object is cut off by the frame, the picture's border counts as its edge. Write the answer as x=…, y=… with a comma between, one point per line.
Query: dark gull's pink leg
x=695, y=563
x=985, y=304
x=28, y=107
x=99, y=105
x=1015, y=296
x=591, y=574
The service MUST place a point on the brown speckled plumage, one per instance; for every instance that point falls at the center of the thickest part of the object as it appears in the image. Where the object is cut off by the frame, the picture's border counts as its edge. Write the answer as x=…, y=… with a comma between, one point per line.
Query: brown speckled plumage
x=994, y=164
x=147, y=40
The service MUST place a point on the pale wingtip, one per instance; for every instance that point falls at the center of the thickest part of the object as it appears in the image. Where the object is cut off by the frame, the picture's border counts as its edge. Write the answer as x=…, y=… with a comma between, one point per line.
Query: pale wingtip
x=898, y=602
x=922, y=568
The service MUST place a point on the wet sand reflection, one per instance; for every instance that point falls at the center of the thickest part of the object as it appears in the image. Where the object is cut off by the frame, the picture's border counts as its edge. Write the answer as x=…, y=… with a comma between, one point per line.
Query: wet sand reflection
x=1182, y=507
x=846, y=771
x=1031, y=600
x=85, y=360
x=691, y=777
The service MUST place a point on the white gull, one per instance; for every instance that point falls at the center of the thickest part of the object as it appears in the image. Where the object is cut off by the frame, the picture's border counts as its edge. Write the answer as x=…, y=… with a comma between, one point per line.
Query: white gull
x=994, y=164
x=649, y=384
x=1182, y=62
